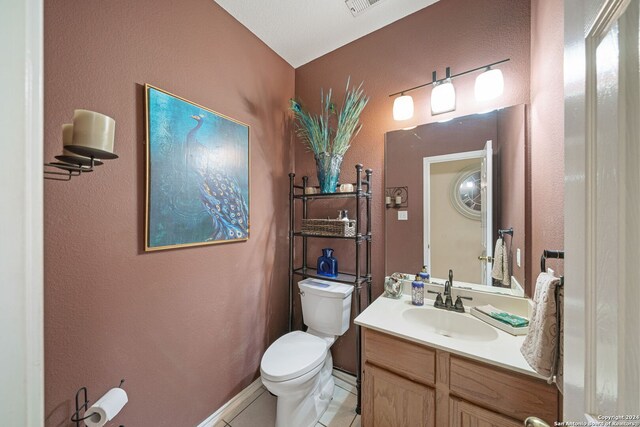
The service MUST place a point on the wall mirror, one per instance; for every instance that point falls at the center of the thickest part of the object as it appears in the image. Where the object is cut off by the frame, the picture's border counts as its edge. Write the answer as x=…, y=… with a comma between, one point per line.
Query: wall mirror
x=454, y=192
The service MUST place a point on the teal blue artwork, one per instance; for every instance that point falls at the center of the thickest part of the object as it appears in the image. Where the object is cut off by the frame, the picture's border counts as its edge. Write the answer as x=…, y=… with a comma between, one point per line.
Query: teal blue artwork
x=197, y=174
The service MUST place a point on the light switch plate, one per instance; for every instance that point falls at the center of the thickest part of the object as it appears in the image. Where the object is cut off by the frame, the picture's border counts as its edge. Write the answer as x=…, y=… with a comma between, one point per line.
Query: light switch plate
x=403, y=215
x=518, y=256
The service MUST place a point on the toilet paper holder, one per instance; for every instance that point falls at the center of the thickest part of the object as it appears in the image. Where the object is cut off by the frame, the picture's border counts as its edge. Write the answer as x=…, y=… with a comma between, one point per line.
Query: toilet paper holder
x=75, y=418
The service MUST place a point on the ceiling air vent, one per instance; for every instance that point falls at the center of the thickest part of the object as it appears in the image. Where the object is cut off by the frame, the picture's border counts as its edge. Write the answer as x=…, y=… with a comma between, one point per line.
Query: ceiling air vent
x=358, y=6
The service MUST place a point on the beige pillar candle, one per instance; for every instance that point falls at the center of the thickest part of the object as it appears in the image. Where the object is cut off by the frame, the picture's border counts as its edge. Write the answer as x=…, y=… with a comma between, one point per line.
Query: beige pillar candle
x=93, y=134
x=69, y=157
x=67, y=134
x=398, y=200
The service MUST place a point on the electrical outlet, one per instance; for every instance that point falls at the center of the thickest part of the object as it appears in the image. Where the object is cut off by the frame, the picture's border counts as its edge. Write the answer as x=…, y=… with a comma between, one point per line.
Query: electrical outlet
x=518, y=256
x=403, y=215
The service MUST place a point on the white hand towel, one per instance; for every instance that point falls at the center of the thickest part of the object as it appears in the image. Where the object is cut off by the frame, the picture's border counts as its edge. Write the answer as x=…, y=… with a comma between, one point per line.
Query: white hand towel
x=500, y=270
x=542, y=347
x=506, y=272
x=498, y=254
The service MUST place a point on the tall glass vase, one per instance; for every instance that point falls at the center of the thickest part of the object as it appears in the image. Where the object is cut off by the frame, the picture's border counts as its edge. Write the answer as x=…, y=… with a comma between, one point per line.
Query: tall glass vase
x=328, y=169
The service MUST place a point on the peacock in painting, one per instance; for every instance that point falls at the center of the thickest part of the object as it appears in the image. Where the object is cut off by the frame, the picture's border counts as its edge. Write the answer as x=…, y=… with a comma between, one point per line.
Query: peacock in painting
x=199, y=186
x=219, y=193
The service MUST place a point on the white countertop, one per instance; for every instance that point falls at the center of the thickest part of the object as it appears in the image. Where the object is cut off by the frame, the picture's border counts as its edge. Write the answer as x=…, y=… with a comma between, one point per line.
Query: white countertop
x=386, y=315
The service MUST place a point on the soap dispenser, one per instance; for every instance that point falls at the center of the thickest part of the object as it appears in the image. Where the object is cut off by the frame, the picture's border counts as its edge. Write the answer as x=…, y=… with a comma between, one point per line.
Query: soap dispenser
x=417, y=291
x=424, y=274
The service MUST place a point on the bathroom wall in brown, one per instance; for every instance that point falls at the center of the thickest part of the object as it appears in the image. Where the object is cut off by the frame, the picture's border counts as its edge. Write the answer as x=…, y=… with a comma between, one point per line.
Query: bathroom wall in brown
x=461, y=34
x=185, y=327
x=511, y=158
x=547, y=133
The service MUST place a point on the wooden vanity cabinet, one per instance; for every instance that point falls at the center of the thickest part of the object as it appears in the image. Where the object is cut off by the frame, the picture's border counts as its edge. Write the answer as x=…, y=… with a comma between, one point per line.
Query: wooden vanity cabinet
x=396, y=401
x=465, y=414
x=407, y=384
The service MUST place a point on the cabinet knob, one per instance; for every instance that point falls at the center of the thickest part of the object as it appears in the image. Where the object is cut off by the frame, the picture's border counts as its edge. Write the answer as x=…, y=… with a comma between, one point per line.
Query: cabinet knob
x=535, y=422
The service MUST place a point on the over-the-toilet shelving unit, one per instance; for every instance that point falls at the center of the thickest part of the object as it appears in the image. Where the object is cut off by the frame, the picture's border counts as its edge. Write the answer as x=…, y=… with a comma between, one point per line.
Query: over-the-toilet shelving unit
x=360, y=276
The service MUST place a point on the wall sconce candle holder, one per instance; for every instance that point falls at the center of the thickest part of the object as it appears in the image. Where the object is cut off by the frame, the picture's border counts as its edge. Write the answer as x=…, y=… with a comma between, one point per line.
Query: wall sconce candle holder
x=88, y=139
x=396, y=197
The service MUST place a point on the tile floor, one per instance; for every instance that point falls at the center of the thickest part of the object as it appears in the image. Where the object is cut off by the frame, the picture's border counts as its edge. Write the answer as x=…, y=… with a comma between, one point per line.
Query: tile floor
x=260, y=410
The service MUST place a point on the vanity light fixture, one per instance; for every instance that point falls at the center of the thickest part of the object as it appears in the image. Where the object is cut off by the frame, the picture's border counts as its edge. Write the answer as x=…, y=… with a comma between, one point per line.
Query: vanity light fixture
x=443, y=94
x=403, y=108
x=489, y=85
x=88, y=139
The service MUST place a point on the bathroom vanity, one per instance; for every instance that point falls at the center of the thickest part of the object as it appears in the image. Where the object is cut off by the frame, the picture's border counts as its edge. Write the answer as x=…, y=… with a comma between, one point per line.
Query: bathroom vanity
x=426, y=367
x=464, y=183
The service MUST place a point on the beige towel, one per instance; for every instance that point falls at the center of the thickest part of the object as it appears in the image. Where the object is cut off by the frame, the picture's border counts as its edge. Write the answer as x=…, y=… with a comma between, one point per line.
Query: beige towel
x=542, y=347
x=500, y=270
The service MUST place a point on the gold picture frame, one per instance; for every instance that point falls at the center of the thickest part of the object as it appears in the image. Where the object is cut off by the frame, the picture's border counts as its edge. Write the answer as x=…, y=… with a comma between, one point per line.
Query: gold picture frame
x=198, y=174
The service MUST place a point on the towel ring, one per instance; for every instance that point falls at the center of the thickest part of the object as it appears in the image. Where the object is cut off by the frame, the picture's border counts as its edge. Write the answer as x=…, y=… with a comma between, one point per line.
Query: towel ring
x=551, y=254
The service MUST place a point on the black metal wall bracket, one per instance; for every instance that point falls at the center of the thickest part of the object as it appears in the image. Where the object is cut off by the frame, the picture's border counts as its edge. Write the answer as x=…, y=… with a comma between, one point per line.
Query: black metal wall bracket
x=70, y=169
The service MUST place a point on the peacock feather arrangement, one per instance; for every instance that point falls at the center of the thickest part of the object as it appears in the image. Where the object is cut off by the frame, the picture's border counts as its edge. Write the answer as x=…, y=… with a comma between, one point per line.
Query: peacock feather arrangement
x=329, y=134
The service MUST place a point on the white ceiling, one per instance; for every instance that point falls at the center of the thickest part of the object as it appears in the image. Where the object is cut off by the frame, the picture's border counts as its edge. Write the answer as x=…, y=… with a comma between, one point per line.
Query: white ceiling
x=303, y=30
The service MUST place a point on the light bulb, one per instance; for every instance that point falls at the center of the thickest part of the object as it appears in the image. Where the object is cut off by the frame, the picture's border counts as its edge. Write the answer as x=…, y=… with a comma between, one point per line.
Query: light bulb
x=489, y=85
x=403, y=108
x=443, y=97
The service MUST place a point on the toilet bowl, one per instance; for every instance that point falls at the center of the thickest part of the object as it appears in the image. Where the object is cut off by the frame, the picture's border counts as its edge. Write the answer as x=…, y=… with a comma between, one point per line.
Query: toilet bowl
x=297, y=367
x=300, y=378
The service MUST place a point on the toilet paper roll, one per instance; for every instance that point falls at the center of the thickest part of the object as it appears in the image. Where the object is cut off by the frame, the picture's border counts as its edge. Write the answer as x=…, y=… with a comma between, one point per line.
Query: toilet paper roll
x=106, y=408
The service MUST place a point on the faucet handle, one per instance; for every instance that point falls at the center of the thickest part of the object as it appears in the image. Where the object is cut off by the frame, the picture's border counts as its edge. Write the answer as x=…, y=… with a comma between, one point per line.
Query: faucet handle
x=438, y=302
x=459, y=306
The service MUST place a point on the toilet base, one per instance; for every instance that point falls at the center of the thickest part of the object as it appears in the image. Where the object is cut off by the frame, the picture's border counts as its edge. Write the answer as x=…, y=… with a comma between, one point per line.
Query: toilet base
x=304, y=405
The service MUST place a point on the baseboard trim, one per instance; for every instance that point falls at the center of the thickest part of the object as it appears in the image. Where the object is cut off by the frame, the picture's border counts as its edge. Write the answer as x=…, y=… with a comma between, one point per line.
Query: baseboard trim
x=232, y=404
x=348, y=378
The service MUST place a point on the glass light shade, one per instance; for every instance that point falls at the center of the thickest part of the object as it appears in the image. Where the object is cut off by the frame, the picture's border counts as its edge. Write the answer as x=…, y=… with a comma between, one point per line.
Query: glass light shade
x=443, y=97
x=489, y=85
x=403, y=108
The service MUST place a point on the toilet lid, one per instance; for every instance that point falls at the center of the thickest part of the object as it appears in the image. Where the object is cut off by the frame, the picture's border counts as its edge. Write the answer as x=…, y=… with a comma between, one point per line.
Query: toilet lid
x=293, y=355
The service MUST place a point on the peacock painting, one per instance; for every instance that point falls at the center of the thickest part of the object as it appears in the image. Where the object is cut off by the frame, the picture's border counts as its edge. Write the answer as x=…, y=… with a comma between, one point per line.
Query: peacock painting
x=198, y=174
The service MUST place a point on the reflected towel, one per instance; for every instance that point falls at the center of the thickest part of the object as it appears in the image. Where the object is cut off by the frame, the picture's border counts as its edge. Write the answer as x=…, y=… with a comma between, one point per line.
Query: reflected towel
x=542, y=347
x=500, y=270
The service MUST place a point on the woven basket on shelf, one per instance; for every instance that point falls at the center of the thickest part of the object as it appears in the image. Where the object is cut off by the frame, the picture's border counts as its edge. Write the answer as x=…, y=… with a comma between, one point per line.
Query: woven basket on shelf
x=329, y=227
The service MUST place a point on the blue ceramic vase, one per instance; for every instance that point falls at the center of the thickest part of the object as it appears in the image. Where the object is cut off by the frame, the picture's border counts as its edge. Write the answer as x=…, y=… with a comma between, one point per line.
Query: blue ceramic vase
x=328, y=169
x=327, y=264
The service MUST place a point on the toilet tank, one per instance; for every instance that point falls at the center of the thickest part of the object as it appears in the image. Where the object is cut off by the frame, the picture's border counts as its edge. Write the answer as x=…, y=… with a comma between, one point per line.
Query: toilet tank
x=326, y=306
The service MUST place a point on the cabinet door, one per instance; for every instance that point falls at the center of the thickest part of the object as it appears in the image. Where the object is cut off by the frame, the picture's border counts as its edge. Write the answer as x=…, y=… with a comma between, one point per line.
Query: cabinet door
x=393, y=401
x=464, y=414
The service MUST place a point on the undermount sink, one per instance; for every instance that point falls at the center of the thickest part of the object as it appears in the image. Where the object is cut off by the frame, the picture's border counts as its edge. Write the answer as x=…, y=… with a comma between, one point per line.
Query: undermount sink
x=450, y=324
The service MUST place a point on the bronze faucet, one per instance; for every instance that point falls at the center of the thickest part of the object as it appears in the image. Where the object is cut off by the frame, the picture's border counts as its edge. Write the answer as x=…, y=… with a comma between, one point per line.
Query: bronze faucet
x=448, y=303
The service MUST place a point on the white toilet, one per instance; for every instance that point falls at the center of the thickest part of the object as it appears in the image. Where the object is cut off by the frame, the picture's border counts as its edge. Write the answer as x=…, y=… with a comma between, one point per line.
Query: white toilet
x=297, y=366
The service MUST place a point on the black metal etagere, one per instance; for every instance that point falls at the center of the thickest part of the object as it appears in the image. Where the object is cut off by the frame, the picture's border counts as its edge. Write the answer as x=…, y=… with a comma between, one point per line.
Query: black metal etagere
x=362, y=191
